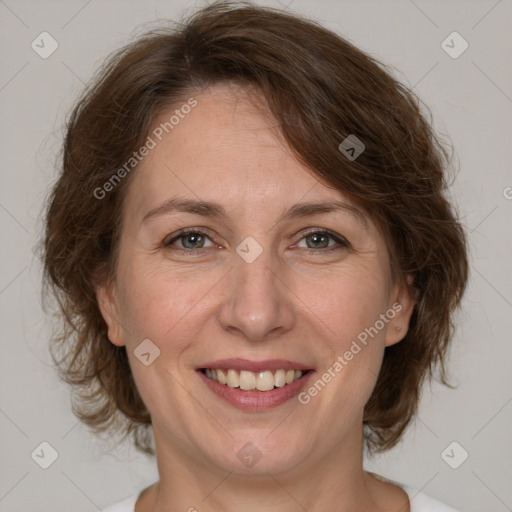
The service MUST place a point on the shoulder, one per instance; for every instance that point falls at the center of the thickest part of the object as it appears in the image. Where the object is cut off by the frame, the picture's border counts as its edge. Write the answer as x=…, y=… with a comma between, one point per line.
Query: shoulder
x=127, y=505
x=420, y=502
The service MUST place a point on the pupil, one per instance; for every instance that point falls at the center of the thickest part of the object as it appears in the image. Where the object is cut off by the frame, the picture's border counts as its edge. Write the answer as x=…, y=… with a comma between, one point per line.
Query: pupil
x=194, y=238
x=317, y=238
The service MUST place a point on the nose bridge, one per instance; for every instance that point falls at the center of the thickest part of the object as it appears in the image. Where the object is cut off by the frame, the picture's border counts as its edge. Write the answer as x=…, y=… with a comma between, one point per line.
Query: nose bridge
x=257, y=301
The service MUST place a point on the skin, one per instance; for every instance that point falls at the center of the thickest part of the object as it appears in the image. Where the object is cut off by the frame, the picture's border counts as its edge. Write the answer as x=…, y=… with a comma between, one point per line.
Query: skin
x=288, y=304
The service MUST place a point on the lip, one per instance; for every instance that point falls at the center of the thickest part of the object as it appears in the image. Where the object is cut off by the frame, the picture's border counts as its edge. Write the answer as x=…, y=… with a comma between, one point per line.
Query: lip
x=254, y=366
x=256, y=400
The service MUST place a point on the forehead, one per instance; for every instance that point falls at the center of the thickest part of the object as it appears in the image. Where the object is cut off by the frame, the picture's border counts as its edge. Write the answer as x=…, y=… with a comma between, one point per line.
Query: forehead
x=226, y=149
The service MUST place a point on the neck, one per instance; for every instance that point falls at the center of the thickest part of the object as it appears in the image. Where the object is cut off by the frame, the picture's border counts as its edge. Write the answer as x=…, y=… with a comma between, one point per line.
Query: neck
x=188, y=483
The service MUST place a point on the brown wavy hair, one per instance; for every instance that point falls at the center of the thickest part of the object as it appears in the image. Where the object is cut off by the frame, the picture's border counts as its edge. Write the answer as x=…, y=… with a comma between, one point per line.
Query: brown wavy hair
x=320, y=89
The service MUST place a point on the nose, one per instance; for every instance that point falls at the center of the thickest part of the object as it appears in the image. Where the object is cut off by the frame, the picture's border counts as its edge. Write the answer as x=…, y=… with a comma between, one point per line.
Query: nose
x=258, y=303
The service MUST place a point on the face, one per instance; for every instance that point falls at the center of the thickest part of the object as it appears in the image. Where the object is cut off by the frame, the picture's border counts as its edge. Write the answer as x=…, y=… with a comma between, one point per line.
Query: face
x=260, y=286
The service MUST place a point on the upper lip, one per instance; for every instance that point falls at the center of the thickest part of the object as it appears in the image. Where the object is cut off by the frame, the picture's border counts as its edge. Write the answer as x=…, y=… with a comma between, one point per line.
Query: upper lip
x=255, y=366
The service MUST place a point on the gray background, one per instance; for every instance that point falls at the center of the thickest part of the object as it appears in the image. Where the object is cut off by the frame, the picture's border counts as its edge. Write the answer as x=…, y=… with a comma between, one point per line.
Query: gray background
x=470, y=98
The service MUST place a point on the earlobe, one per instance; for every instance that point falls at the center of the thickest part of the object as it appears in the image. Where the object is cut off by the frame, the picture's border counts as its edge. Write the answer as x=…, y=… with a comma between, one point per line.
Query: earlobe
x=107, y=303
x=403, y=306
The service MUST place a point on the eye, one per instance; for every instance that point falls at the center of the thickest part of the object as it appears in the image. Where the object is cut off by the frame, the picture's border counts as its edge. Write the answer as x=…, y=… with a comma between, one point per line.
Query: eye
x=319, y=241
x=190, y=241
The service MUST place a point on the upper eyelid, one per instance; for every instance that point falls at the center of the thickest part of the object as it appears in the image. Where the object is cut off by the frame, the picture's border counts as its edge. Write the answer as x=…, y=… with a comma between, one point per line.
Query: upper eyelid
x=329, y=232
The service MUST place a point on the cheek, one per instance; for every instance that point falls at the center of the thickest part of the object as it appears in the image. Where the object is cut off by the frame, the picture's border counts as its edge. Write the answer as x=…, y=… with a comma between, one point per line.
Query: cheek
x=349, y=307
x=163, y=305
x=347, y=302
x=168, y=308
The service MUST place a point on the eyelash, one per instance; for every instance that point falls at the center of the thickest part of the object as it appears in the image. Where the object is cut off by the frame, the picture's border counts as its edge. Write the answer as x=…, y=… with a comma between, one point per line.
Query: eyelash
x=341, y=243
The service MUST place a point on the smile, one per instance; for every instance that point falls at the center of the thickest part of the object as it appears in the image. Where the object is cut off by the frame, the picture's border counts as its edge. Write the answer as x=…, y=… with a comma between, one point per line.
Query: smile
x=249, y=381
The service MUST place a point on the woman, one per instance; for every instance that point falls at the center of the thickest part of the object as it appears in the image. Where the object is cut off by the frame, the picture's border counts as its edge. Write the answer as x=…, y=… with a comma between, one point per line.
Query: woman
x=254, y=258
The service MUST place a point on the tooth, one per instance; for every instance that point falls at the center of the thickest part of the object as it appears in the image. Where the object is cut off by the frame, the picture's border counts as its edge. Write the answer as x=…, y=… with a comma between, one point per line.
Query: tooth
x=265, y=381
x=290, y=375
x=232, y=379
x=280, y=378
x=221, y=376
x=247, y=380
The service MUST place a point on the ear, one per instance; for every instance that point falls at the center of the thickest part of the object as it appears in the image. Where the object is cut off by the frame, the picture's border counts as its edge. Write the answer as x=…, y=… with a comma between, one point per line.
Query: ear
x=402, y=302
x=107, y=301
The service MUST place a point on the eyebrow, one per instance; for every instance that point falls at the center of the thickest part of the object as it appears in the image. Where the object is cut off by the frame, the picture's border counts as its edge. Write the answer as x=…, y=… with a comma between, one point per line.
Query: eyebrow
x=217, y=211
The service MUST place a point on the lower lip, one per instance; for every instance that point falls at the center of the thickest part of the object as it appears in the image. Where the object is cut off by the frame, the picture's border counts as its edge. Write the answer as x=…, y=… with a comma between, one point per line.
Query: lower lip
x=256, y=400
